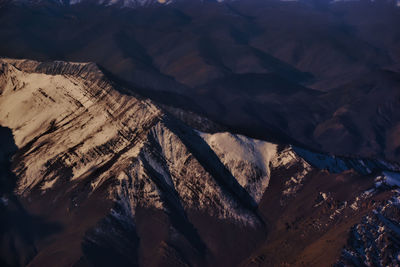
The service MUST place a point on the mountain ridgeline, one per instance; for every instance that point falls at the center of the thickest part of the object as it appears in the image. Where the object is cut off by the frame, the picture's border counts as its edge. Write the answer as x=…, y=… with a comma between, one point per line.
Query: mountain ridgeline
x=102, y=178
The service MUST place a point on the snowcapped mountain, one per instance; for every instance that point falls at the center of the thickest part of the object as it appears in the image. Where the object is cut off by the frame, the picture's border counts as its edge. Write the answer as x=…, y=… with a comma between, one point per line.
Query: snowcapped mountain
x=78, y=137
x=81, y=125
x=115, y=179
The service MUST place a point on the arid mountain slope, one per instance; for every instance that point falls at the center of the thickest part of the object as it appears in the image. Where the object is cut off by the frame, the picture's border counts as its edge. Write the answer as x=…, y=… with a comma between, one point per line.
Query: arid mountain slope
x=99, y=178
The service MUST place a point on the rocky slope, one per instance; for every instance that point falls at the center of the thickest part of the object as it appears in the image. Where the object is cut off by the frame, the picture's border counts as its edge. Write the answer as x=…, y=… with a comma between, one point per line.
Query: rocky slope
x=375, y=240
x=100, y=178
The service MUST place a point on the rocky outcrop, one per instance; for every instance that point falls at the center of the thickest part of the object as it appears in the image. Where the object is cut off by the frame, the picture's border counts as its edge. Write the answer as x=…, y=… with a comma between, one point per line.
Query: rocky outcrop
x=375, y=241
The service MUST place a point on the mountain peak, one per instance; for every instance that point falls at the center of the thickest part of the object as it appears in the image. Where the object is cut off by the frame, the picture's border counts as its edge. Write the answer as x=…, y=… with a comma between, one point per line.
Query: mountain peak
x=114, y=173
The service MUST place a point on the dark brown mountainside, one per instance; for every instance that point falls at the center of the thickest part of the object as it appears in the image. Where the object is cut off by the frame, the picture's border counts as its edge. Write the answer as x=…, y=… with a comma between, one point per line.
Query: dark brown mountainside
x=93, y=177
x=322, y=75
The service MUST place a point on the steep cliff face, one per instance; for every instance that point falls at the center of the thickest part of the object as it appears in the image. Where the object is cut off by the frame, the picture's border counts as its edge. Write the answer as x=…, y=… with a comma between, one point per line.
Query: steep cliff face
x=118, y=180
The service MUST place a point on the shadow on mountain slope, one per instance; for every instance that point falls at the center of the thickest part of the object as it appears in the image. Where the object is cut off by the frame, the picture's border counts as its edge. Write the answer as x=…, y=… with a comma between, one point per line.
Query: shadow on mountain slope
x=18, y=229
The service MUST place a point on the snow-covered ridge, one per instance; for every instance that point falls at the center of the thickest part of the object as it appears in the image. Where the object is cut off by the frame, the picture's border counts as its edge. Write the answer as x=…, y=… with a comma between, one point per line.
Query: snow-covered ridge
x=337, y=164
x=86, y=70
x=251, y=161
x=72, y=126
x=248, y=159
x=82, y=142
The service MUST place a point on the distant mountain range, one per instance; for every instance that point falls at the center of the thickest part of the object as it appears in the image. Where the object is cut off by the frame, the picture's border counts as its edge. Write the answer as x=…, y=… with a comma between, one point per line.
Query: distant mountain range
x=325, y=77
x=154, y=3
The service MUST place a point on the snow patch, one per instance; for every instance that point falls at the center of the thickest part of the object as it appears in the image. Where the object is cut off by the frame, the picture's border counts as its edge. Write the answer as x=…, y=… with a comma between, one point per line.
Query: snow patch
x=391, y=178
x=248, y=159
x=288, y=158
